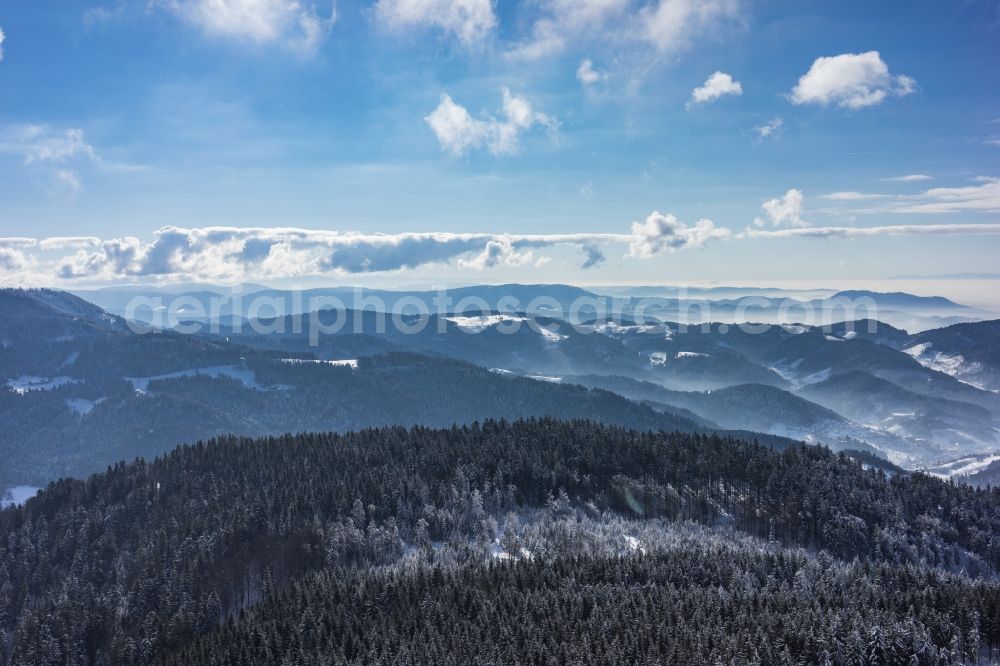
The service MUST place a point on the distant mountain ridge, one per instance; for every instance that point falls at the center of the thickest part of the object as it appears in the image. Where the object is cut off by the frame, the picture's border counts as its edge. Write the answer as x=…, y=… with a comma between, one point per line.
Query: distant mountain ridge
x=721, y=304
x=95, y=390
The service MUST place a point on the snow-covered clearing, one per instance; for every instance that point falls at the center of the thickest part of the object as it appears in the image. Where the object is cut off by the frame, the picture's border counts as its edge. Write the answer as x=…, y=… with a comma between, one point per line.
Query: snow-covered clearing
x=343, y=363
x=26, y=383
x=482, y=322
x=240, y=373
x=658, y=358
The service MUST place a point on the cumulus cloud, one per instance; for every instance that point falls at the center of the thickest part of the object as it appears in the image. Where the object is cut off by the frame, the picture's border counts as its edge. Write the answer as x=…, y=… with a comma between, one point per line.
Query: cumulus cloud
x=3, y=38
x=593, y=256
x=458, y=132
x=716, y=86
x=586, y=73
x=470, y=21
x=292, y=24
x=784, y=211
x=498, y=252
x=850, y=81
x=661, y=233
x=771, y=128
x=12, y=260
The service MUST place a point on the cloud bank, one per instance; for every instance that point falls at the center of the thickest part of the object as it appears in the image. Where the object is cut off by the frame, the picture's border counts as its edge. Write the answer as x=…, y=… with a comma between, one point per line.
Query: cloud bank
x=244, y=253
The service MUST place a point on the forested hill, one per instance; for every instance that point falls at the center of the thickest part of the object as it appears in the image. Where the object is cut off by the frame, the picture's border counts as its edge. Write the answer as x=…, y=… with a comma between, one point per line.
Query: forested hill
x=44, y=439
x=374, y=543
x=79, y=390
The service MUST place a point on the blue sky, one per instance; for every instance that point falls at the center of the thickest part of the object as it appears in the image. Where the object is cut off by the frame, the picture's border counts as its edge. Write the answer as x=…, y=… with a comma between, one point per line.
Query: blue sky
x=319, y=137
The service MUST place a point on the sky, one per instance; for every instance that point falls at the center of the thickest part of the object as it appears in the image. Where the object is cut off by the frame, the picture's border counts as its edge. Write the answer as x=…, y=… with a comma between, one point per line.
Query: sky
x=461, y=141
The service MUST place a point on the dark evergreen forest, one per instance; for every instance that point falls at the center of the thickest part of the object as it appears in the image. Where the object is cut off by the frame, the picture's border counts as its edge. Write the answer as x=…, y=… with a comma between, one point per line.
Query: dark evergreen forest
x=529, y=542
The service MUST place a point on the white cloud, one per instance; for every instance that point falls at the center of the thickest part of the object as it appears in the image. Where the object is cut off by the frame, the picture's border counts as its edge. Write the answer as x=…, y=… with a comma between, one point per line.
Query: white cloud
x=851, y=196
x=244, y=253
x=64, y=242
x=58, y=152
x=3, y=38
x=851, y=81
x=12, y=260
x=673, y=25
x=984, y=197
x=769, y=129
x=784, y=211
x=18, y=242
x=892, y=230
x=498, y=252
x=665, y=233
x=470, y=21
x=586, y=73
x=458, y=132
x=39, y=144
x=240, y=253
x=234, y=253
x=669, y=26
x=909, y=178
x=562, y=23
x=292, y=24
x=70, y=180
x=717, y=85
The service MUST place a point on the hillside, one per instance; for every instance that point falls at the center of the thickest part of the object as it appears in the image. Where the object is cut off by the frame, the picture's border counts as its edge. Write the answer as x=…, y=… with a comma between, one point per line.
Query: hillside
x=330, y=532
x=48, y=434
x=970, y=352
x=877, y=402
x=761, y=409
